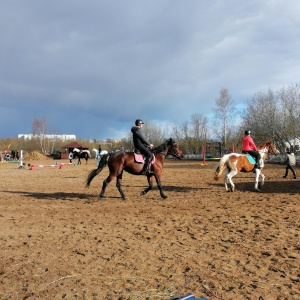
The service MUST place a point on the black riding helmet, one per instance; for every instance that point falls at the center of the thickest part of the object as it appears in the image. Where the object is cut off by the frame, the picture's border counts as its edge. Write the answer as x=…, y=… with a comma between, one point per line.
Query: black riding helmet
x=138, y=122
x=247, y=132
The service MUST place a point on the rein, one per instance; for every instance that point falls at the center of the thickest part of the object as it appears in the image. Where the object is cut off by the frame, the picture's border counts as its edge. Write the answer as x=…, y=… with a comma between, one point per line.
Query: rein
x=164, y=149
x=166, y=154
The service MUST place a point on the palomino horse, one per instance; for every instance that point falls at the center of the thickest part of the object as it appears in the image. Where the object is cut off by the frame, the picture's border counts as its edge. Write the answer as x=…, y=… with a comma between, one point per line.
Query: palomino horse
x=234, y=163
x=81, y=154
x=120, y=161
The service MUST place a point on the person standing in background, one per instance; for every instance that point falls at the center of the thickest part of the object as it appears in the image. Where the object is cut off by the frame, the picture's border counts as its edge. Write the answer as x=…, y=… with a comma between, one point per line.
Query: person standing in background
x=290, y=161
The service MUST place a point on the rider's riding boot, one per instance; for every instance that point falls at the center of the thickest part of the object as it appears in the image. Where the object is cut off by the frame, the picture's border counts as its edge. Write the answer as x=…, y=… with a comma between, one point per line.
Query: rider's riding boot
x=148, y=172
x=146, y=167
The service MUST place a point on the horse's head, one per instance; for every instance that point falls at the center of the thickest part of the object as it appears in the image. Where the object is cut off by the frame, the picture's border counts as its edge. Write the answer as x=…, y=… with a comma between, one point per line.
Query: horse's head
x=268, y=147
x=174, y=150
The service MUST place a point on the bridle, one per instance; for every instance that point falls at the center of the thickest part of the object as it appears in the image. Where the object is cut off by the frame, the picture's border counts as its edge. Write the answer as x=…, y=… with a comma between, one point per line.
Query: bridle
x=174, y=152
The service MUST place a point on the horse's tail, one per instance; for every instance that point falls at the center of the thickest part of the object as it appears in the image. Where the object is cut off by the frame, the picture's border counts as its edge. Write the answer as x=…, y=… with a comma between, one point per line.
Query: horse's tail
x=102, y=163
x=221, y=166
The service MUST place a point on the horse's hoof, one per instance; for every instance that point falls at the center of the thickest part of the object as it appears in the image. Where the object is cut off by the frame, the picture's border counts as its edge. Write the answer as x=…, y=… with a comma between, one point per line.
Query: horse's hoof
x=164, y=197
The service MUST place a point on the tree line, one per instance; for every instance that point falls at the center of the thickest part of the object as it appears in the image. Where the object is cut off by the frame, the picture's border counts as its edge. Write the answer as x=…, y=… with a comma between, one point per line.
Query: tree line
x=270, y=115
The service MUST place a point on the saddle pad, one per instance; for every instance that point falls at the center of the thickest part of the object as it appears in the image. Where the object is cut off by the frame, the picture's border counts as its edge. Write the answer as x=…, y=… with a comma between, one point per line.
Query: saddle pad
x=139, y=158
x=251, y=159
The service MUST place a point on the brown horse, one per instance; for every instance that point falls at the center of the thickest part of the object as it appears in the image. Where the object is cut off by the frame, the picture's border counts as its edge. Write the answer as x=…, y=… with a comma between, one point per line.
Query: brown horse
x=120, y=161
x=234, y=163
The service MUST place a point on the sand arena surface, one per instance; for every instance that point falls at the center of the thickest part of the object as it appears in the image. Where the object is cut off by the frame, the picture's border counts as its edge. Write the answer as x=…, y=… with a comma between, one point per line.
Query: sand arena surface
x=59, y=241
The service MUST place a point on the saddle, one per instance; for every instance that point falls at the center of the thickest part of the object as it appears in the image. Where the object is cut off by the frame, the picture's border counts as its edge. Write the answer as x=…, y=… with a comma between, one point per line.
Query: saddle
x=140, y=158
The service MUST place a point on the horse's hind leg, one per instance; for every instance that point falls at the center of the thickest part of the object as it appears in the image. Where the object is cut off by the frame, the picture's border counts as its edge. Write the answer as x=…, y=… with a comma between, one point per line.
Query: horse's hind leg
x=119, y=185
x=231, y=174
x=105, y=184
x=226, y=181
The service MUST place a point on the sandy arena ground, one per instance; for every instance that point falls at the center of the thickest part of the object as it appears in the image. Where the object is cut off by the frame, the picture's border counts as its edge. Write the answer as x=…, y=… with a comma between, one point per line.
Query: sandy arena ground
x=59, y=241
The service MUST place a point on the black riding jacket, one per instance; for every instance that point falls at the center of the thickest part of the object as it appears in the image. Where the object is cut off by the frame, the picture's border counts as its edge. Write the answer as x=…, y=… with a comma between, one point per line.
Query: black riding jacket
x=138, y=139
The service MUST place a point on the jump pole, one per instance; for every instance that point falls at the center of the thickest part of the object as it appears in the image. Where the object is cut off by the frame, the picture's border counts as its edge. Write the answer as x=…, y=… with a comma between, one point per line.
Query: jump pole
x=59, y=165
x=203, y=158
x=21, y=160
x=32, y=167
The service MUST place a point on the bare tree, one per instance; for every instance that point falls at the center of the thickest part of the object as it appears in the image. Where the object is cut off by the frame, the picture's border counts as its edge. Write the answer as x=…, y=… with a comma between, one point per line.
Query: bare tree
x=274, y=116
x=39, y=129
x=224, y=116
x=290, y=106
x=177, y=132
x=192, y=136
x=154, y=133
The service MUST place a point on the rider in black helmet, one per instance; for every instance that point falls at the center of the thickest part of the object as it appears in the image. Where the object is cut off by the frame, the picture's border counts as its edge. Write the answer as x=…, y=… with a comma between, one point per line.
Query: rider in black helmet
x=142, y=145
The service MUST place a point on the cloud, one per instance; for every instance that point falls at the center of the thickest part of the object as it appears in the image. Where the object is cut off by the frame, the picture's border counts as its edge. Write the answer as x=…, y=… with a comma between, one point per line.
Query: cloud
x=91, y=68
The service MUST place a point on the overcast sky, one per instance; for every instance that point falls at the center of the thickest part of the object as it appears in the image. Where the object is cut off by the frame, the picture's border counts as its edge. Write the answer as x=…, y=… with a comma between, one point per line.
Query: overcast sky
x=91, y=67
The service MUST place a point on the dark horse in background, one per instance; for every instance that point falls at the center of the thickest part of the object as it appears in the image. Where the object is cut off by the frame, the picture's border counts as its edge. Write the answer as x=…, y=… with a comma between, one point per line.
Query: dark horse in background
x=120, y=161
x=81, y=154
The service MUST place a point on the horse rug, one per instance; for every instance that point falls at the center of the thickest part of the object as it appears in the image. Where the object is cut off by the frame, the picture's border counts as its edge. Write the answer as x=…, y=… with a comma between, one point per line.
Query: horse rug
x=140, y=158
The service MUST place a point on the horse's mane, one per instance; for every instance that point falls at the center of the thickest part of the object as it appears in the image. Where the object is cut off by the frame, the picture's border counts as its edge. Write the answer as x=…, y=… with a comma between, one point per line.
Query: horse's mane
x=262, y=145
x=162, y=147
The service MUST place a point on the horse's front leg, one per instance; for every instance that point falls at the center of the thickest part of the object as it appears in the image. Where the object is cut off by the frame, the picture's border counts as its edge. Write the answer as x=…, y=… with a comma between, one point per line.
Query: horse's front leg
x=149, y=188
x=119, y=185
x=262, y=178
x=257, y=173
x=162, y=194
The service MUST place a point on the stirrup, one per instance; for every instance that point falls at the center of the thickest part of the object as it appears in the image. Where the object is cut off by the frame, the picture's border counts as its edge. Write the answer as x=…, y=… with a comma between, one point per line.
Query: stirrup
x=148, y=172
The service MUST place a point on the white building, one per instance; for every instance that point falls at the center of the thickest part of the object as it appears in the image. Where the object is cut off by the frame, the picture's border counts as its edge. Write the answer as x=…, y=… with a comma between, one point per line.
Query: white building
x=295, y=143
x=61, y=137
